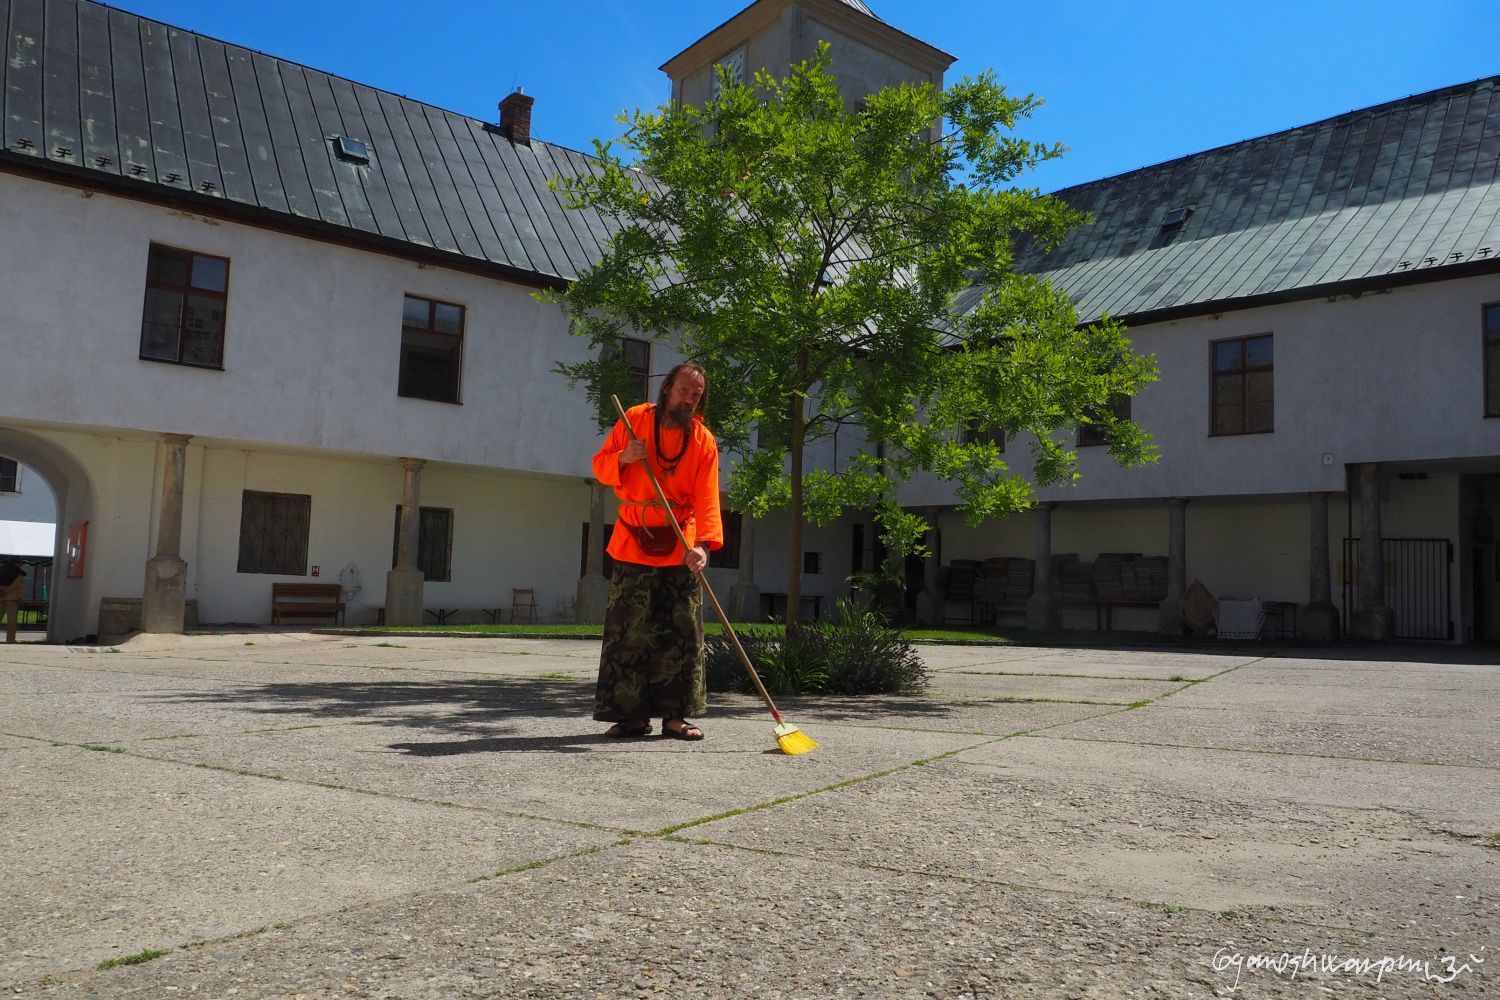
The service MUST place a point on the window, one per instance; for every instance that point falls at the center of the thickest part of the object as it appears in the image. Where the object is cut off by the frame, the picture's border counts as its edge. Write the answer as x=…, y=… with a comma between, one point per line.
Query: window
x=993, y=435
x=186, y=297
x=1243, y=400
x=1492, y=360
x=637, y=357
x=1095, y=434
x=273, y=533
x=812, y=562
x=10, y=476
x=434, y=542
x=607, y=565
x=728, y=557
x=432, y=342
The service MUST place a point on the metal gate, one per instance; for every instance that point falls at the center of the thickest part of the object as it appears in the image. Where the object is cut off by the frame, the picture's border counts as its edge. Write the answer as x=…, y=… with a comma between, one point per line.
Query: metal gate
x=1418, y=585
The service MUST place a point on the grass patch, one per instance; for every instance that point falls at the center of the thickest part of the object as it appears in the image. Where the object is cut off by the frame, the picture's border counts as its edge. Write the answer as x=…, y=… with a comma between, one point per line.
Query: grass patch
x=249, y=643
x=1163, y=907
x=102, y=748
x=557, y=677
x=389, y=645
x=136, y=959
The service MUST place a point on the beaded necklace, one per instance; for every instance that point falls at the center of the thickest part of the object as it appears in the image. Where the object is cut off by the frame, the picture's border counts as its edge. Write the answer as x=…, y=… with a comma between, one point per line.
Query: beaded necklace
x=669, y=463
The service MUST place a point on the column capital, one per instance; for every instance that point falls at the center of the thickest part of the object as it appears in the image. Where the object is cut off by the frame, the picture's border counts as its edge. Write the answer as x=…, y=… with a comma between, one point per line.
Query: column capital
x=1178, y=501
x=413, y=464
x=176, y=439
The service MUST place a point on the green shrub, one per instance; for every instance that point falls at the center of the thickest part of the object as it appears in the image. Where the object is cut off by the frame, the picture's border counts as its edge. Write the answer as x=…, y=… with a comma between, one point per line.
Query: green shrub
x=853, y=653
x=867, y=656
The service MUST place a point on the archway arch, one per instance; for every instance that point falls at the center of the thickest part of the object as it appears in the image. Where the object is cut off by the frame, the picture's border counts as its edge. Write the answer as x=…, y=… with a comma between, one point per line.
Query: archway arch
x=69, y=616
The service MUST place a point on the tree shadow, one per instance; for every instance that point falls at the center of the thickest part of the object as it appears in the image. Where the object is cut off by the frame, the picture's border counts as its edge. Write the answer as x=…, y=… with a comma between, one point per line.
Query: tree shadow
x=476, y=706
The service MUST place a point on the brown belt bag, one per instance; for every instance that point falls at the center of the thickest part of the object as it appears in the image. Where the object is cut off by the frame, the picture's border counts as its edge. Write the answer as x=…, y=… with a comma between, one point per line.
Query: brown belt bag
x=658, y=541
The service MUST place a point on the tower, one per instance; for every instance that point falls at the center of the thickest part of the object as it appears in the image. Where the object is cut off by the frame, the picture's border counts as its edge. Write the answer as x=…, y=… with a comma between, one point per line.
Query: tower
x=868, y=53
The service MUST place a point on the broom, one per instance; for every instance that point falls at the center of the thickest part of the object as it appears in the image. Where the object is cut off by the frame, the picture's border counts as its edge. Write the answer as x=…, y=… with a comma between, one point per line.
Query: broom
x=789, y=738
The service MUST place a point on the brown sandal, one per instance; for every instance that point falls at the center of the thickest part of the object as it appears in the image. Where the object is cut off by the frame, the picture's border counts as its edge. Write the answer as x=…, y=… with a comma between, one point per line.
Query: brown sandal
x=628, y=730
x=686, y=731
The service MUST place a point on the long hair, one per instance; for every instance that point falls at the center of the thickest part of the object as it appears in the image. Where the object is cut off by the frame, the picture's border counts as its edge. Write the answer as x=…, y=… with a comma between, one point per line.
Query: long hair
x=666, y=386
x=10, y=572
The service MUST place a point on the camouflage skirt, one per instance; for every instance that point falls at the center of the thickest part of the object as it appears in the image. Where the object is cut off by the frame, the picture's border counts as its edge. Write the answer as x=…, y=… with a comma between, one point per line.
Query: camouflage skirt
x=652, y=664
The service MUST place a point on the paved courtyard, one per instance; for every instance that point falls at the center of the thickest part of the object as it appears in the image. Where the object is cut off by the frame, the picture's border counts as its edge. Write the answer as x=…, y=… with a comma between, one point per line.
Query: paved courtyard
x=300, y=815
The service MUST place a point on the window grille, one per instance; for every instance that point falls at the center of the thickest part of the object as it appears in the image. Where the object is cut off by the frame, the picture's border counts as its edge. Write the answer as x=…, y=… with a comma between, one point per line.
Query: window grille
x=273, y=533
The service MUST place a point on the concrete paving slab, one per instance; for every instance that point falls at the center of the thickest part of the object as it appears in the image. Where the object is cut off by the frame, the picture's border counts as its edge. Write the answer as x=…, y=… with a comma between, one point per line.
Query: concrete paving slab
x=17, y=679
x=563, y=767
x=935, y=713
x=1447, y=741
x=1462, y=800
x=108, y=854
x=978, y=685
x=1095, y=663
x=856, y=874
x=1382, y=676
x=1245, y=692
x=661, y=919
x=216, y=707
x=1207, y=849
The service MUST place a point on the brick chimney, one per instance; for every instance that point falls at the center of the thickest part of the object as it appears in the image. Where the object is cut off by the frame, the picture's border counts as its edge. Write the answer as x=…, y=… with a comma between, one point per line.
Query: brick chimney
x=515, y=117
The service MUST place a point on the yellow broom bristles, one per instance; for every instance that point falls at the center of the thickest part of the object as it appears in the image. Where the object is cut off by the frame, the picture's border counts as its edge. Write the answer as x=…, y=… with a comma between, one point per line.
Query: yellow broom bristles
x=793, y=741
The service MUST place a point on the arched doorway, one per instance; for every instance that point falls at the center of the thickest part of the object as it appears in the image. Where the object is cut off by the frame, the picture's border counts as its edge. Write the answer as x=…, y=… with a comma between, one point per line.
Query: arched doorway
x=69, y=615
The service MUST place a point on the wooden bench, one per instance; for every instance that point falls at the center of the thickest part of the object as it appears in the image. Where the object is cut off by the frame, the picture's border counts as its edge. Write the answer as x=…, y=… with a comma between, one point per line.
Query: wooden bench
x=307, y=600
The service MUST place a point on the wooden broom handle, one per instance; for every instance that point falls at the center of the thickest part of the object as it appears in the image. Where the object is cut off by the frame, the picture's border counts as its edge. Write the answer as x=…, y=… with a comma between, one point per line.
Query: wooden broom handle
x=661, y=496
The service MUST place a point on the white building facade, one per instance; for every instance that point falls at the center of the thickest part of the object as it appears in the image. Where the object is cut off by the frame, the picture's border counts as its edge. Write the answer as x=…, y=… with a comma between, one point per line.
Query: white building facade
x=254, y=308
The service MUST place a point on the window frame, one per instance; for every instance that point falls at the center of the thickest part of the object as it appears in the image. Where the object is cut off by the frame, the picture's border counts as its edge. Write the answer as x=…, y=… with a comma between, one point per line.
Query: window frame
x=972, y=434
x=284, y=569
x=185, y=291
x=404, y=390
x=425, y=555
x=1244, y=371
x=728, y=555
x=14, y=475
x=641, y=372
x=1489, y=341
x=1093, y=435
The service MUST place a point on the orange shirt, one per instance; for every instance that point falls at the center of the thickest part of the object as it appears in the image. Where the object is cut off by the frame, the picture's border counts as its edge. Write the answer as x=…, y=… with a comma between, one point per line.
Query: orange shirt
x=692, y=487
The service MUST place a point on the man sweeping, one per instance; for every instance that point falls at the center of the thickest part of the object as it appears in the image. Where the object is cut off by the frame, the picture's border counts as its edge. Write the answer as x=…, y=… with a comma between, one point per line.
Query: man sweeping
x=652, y=665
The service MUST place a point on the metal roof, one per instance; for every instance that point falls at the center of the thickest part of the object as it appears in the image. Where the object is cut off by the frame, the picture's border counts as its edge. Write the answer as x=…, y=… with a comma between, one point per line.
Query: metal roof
x=1400, y=192
x=1404, y=191
x=98, y=92
x=861, y=7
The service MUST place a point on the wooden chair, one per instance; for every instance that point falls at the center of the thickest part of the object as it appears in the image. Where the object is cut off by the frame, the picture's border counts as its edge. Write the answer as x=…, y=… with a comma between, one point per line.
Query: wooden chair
x=522, y=604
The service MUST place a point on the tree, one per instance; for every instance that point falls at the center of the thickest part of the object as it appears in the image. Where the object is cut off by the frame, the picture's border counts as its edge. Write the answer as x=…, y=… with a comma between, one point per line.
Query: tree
x=850, y=270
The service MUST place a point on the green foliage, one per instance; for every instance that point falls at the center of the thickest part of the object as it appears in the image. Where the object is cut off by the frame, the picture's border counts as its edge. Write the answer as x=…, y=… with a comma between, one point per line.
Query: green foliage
x=853, y=653
x=848, y=272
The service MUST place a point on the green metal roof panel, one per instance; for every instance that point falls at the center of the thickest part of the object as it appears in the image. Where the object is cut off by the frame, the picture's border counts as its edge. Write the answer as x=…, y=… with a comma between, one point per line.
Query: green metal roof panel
x=94, y=89
x=1396, y=188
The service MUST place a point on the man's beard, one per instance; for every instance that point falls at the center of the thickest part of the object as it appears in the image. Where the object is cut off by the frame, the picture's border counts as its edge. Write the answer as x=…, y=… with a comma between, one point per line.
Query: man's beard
x=679, y=416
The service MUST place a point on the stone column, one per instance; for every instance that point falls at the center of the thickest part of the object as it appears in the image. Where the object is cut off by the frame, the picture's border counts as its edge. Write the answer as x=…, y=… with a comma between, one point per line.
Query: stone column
x=1320, y=619
x=744, y=595
x=1373, y=619
x=593, y=588
x=164, y=606
x=1169, y=612
x=1041, y=609
x=930, y=600
x=403, y=584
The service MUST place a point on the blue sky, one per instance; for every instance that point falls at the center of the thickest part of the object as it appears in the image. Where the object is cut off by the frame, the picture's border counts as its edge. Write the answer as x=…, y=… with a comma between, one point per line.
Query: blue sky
x=1128, y=83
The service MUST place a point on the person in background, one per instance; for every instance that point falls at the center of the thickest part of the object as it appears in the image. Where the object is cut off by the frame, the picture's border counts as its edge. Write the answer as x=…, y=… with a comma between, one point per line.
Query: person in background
x=12, y=589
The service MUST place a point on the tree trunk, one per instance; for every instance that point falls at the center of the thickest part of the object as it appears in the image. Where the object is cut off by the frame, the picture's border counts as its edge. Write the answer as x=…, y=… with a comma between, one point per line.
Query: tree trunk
x=794, y=529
